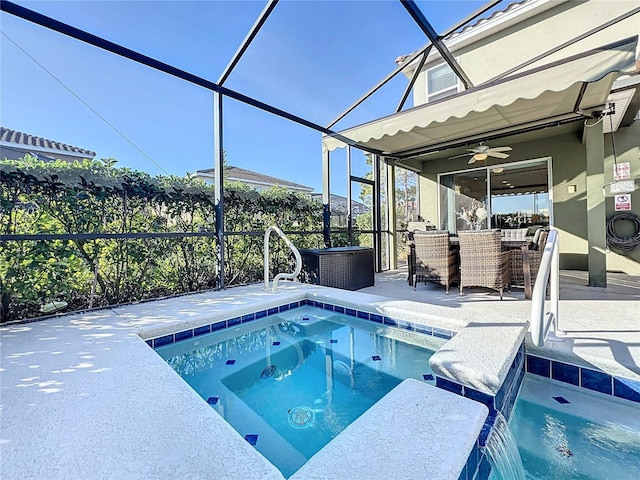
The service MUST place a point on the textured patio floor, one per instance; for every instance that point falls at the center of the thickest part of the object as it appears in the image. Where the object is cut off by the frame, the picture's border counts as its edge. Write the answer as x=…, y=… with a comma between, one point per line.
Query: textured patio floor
x=83, y=396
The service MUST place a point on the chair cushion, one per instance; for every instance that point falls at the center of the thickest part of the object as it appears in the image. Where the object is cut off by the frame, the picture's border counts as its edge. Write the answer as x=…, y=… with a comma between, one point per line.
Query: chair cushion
x=420, y=226
x=536, y=240
x=514, y=234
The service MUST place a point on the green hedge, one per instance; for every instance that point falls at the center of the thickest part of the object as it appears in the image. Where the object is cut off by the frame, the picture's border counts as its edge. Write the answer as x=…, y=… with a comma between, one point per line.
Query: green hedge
x=96, y=197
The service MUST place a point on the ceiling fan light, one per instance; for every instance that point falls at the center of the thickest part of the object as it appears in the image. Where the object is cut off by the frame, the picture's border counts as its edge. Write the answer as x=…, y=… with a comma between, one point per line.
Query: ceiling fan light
x=497, y=170
x=480, y=156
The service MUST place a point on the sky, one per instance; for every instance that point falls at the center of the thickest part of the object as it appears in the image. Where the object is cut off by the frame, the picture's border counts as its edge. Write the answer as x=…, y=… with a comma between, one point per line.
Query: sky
x=311, y=58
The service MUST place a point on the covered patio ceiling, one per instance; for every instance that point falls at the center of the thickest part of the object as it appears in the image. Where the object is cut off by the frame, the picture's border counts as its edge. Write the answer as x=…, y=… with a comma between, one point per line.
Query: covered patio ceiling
x=559, y=93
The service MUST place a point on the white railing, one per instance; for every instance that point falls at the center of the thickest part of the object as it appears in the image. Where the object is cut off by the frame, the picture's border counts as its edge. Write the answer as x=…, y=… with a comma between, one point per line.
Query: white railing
x=548, y=274
x=280, y=276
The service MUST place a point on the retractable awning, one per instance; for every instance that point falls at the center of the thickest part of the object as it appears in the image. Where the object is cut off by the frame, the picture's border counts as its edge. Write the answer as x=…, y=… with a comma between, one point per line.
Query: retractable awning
x=559, y=92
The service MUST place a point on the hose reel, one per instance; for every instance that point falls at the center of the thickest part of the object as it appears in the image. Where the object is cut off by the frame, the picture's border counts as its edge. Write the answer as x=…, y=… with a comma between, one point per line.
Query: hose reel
x=620, y=244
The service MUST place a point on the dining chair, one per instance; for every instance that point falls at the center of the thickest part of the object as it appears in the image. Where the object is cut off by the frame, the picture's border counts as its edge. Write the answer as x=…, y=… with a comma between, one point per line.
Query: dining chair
x=482, y=261
x=531, y=258
x=435, y=259
x=534, y=248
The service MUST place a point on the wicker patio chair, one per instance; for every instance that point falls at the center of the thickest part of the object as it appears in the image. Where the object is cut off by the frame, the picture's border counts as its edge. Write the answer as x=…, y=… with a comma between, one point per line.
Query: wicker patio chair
x=531, y=256
x=482, y=261
x=434, y=259
x=534, y=250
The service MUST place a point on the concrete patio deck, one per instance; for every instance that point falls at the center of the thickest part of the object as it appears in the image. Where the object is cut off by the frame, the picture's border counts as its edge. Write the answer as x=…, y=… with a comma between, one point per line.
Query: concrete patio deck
x=602, y=325
x=83, y=396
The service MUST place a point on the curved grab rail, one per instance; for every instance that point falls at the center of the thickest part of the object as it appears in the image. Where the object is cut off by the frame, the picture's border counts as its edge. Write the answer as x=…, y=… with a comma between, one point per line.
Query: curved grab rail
x=549, y=271
x=293, y=248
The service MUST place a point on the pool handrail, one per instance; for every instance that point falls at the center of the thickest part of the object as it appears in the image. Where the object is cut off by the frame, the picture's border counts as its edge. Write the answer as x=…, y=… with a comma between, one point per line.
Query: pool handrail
x=279, y=276
x=548, y=274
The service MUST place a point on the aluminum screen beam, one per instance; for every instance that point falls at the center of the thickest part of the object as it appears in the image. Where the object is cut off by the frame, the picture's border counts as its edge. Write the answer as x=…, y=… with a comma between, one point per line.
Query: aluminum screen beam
x=379, y=84
x=271, y=4
x=218, y=165
x=426, y=27
x=414, y=77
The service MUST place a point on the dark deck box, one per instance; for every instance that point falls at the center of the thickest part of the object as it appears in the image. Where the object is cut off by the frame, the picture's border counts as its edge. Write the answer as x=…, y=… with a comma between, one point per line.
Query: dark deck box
x=349, y=268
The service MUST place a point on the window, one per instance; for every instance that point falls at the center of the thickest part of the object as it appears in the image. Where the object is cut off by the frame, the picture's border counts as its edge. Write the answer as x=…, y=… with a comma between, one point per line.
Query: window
x=520, y=195
x=441, y=82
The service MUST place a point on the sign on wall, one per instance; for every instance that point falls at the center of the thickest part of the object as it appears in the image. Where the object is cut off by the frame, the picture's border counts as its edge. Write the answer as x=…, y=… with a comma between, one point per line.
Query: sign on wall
x=622, y=202
x=622, y=186
x=621, y=171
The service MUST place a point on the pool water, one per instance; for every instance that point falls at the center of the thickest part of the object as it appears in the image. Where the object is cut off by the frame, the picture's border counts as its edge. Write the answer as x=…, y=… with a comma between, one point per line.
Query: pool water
x=572, y=434
x=291, y=382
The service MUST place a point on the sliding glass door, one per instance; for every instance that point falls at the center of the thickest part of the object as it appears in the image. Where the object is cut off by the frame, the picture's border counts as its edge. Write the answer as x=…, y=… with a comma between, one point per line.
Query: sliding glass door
x=505, y=196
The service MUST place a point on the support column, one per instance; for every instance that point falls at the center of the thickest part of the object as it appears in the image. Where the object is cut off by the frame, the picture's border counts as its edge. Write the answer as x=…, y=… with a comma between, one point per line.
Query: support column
x=596, y=214
x=391, y=215
x=377, y=219
x=219, y=183
x=326, y=199
x=349, y=202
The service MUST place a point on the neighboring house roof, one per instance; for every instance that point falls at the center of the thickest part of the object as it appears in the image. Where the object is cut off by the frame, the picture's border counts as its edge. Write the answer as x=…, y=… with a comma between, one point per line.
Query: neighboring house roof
x=14, y=145
x=251, y=178
x=339, y=205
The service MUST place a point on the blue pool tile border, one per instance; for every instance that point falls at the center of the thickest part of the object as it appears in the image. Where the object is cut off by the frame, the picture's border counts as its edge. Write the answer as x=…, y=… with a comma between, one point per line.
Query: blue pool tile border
x=565, y=373
x=164, y=340
x=584, y=377
x=597, y=381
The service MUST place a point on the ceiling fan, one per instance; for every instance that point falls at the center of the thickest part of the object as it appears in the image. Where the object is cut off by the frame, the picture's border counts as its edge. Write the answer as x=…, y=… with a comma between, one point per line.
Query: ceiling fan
x=481, y=152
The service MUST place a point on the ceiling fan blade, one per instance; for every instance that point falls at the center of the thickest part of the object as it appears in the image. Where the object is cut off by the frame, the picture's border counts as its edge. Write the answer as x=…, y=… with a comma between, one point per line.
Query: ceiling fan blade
x=497, y=154
x=471, y=160
x=500, y=149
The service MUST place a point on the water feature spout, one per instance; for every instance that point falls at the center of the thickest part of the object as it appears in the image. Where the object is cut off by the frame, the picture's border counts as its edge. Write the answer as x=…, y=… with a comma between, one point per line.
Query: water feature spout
x=502, y=451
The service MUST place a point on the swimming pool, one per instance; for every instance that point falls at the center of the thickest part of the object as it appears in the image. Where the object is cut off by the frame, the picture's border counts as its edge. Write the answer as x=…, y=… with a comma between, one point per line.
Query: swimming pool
x=571, y=433
x=292, y=381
